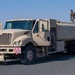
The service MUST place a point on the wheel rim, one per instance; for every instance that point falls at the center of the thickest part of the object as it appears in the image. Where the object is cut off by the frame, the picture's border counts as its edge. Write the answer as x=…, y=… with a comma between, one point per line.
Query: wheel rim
x=29, y=55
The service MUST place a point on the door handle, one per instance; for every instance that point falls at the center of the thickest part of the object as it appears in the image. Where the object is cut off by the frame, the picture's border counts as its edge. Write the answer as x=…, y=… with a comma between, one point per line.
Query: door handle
x=48, y=38
x=37, y=35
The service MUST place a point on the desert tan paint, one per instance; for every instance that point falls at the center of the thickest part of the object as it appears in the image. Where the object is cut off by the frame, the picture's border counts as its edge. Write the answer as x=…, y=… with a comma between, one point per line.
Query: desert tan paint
x=40, y=38
x=64, y=31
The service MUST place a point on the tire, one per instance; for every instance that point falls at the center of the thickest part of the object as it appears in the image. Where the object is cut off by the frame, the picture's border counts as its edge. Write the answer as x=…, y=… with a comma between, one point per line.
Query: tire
x=1, y=62
x=28, y=55
x=71, y=48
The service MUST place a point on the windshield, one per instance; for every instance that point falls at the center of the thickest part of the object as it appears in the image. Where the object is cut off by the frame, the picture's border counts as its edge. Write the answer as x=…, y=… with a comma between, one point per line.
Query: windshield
x=25, y=25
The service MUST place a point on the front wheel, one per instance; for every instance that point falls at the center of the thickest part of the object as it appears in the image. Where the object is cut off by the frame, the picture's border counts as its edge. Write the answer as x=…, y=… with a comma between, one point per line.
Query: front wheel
x=28, y=55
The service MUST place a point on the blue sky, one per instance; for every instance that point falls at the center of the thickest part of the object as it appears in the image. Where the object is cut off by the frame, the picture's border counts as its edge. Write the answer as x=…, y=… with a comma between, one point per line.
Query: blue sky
x=52, y=9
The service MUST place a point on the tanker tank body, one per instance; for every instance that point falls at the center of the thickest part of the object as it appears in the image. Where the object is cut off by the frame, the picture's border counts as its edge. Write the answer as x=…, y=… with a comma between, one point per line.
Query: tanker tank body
x=65, y=31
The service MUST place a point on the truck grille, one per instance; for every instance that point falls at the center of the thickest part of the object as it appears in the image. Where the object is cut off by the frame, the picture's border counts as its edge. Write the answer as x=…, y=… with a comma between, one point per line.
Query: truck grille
x=5, y=39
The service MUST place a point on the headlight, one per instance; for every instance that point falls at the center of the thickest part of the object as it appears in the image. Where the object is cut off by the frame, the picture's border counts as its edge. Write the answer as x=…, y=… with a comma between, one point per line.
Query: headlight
x=17, y=42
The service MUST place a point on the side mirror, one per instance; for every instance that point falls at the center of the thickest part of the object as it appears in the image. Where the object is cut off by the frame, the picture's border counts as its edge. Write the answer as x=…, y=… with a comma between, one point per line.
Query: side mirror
x=0, y=26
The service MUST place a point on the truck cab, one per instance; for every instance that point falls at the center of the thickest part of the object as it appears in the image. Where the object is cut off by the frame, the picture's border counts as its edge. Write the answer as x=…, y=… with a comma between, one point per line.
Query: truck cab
x=21, y=34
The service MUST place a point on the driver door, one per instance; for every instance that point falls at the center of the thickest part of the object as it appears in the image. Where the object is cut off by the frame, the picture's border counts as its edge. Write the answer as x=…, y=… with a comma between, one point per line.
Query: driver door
x=41, y=34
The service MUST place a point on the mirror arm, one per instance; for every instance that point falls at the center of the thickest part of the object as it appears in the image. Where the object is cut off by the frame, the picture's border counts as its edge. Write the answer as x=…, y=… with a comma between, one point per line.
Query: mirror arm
x=0, y=26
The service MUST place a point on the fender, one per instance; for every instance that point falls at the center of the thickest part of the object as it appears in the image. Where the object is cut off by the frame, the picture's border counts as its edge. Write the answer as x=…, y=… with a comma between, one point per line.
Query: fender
x=26, y=39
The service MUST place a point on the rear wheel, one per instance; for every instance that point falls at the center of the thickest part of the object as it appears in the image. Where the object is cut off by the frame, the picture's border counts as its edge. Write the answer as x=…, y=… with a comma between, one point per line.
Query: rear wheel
x=28, y=55
x=71, y=48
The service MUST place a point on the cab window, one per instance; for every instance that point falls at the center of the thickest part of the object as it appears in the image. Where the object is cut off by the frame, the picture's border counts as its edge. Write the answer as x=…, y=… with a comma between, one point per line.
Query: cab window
x=36, y=28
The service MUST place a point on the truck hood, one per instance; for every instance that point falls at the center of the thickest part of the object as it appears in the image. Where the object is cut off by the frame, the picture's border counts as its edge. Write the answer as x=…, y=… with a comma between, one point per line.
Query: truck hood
x=12, y=30
x=9, y=35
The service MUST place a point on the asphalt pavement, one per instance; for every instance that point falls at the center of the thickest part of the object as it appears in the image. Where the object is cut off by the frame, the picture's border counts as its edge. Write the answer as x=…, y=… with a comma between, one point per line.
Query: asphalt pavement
x=57, y=64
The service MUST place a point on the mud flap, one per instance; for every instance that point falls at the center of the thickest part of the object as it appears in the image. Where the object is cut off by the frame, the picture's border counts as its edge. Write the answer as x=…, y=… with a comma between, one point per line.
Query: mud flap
x=1, y=58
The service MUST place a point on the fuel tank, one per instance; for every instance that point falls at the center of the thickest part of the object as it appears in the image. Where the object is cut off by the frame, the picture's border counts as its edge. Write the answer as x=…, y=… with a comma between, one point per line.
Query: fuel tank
x=65, y=31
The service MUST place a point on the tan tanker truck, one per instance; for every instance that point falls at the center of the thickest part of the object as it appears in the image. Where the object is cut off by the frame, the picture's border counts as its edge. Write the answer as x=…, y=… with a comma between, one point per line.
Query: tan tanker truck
x=28, y=39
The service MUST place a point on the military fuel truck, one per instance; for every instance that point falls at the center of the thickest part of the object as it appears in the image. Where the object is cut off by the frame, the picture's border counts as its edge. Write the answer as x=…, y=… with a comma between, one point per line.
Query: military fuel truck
x=28, y=39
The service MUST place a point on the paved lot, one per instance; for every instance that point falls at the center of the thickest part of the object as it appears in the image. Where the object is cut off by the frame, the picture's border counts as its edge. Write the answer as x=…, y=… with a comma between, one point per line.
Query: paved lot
x=50, y=65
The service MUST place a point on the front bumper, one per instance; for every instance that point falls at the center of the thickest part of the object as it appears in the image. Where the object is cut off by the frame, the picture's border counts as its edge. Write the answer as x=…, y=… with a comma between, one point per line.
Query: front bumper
x=10, y=50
